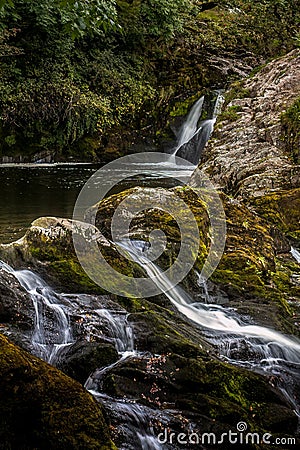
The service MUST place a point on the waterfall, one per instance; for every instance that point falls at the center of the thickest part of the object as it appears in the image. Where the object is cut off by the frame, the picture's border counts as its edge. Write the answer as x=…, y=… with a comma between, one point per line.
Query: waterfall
x=190, y=126
x=47, y=341
x=52, y=333
x=136, y=422
x=193, y=135
x=272, y=352
x=295, y=254
x=121, y=331
x=253, y=347
x=122, y=334
x=202, y=283
x=131, y=419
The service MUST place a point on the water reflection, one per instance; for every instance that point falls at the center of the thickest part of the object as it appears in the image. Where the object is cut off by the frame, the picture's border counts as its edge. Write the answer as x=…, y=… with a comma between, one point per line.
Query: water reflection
x=29, y=192
x=32, y=191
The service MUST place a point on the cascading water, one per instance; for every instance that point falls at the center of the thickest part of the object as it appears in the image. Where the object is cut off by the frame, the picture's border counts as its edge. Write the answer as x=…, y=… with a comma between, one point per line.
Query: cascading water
x=131, y=419
x=296, y=254
x=250, y=346
x=135, y=422
x=270, y=352
x=122, y=334
x=47, y=341
x=121, y=331
x=52, y=333
x=203, y=284
x=190, y=126
x=193, y=135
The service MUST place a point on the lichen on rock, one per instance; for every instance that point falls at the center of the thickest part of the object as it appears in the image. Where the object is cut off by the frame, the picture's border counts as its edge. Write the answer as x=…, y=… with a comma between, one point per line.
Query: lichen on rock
x=246, y=155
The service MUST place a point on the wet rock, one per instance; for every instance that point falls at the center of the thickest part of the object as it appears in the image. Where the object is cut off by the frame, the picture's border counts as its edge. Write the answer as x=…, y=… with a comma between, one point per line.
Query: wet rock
x=15, y=304
x=83, y=358
x=246, y=156
x=161, y=331
x=248, y=275
x=16, y=311
x=43, y=408
x=47, y=247
x=211, y=394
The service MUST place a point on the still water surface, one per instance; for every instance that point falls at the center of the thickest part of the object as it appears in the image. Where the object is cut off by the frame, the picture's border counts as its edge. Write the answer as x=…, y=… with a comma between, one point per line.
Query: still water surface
x=31, y=191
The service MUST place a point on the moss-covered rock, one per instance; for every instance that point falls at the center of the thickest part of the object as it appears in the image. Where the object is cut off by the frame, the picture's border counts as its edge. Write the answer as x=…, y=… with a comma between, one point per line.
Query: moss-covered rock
x=248, y=272
x=281, y=209
x=213, y=394
x=48, y=246
x=185, y=373
x=43, y=408
x=83, y=358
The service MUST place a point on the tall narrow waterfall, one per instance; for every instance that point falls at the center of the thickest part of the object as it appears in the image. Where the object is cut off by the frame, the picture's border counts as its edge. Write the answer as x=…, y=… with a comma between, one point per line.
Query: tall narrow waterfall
x=194, y=133
x=190, y=126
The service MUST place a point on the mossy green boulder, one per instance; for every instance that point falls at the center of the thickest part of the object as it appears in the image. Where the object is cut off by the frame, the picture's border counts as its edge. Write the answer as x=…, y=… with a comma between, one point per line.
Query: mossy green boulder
x=43, y=408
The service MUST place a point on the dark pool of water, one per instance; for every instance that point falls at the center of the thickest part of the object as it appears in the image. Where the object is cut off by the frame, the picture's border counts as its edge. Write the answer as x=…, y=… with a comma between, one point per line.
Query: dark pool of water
x=29, y=192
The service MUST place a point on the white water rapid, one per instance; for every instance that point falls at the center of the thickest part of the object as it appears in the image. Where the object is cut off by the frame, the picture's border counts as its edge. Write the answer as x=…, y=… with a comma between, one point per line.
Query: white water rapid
x=267, y=350
x=52, y=331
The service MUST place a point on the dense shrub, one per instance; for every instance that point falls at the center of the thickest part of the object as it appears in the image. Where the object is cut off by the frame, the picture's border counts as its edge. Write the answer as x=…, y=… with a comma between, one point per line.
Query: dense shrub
x=71, y=69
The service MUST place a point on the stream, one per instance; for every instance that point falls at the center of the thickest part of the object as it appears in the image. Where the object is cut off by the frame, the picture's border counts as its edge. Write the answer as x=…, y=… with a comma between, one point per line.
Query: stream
x=267, y=351
x=246, y=345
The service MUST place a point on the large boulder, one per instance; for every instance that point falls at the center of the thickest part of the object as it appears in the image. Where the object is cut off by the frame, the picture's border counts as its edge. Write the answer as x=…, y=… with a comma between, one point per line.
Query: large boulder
x=186, y=372
x=43, y=408
x=249, y=273
x=212, y=395
x=47, y=246
x=82, y=358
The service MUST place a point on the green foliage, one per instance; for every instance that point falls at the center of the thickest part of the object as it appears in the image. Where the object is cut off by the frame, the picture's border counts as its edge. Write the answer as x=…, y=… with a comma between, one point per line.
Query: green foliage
x=76, y=18
x=71, y=70
x=272, y=24
x=162, y=17
x=145, y=21
x=53, y=114
x=5, y=48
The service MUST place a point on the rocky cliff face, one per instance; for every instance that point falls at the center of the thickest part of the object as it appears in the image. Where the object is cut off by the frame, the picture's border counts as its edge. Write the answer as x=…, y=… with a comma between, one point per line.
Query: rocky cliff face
x=247, y=155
